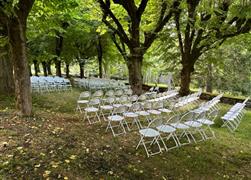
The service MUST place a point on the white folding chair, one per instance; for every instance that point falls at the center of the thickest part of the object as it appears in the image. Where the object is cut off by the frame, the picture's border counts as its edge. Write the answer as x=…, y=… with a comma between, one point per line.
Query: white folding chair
x=107, y=107
x=148, y=138
x=117, y=121
x=83, y=100
x=168, y=132
x=91, y=112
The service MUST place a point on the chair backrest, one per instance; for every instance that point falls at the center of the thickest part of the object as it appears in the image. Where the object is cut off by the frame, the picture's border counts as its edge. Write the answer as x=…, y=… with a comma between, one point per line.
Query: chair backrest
x=84, y=95
x=156, y=122
x=119, y=110
x=142, y=97
x=118, y=92
x=110, y=100
x=213, y=114
x=128, y=92
x=246, y=100
x=187, y=117
x=123, y=99
x=134, y=98
x=147, y=105
x=98, y=93
x=94, y=102
x=109, y=93
x=173, y=119
x=135, y=107
x=158, y=105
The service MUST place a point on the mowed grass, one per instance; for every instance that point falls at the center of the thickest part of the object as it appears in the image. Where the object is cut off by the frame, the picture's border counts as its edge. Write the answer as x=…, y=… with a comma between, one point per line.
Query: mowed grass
x=57, y=143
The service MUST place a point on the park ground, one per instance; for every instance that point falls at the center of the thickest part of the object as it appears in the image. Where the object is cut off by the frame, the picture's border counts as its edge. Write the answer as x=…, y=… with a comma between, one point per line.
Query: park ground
x=56, y=143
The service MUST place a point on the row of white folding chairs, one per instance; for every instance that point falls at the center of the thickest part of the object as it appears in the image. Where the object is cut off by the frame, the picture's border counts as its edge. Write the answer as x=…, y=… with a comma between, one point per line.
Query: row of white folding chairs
x=181, y=129
x=49, y=84
x=116, y=112
x=97, y=83
x=182, y=101
x=209, y=105
x=233, y=117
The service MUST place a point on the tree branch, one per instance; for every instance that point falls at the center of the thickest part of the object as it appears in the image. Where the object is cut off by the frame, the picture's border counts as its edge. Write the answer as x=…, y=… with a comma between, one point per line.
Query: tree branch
x=177, y=23
x=150, y=37
x=121, y=50
x=120, y=29
x=142, y=7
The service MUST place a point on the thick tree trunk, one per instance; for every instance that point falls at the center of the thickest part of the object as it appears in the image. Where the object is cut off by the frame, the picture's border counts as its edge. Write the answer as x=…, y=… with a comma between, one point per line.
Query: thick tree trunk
x=67, y=70
x=6, y=74
x=135, y=73
x=209, y=81
x=17, y=41
x=36, y=67
x=58, y=67
x=100, y=56
x=185, y=80
x=81, y=69
x=44, y=68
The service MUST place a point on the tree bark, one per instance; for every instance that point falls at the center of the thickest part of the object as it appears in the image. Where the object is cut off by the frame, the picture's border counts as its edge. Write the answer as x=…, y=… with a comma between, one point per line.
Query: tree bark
x=36, y=67
x=48, y=65
x=6, y=74
x=44, y=68
x=135, y=73
x=185, y=77
x=17, y=41
x=209, y=81
x=100, y=56
x=81, y=69
x=67, y=70
x=58, y=67
x=58, y=50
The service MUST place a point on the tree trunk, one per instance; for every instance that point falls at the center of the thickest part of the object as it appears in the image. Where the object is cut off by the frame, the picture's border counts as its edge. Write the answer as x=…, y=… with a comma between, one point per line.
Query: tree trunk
x=135, y=73
x=44, y=68
x=6, y=74
x=185, y=79
x=209, y=81
x=100, y=56
x=48, y=65
x=36, y=68
x=67, y=70
x=82, y=71
x=30, y=72
x=17, y=41
x=58, y=50
x=58, y=67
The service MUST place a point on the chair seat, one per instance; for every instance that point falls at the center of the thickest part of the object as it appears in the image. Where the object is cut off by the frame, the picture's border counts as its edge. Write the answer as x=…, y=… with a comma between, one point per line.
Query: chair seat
x=149, y=132
x=83, y=101
x=179, y=125
x=106, y=107
x=117, y=105
x=193, y=124
x=128, y=105
x=130, y=114
x=165, y=110
x=115, y=118
x=154, y=112
x=205, y=121
x=165, y=128
x=142, y=113
x=91, y=109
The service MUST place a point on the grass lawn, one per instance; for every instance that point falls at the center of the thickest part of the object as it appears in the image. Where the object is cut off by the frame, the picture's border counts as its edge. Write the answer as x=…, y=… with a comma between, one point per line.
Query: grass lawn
x=56, y=143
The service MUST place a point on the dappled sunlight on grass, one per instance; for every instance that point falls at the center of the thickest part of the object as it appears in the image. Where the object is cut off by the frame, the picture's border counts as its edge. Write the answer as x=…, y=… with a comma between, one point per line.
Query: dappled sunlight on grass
x=57, y=143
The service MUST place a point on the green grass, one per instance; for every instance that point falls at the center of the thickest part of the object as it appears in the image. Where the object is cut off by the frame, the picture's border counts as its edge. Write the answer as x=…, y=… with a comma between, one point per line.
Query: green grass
x=56, y=143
